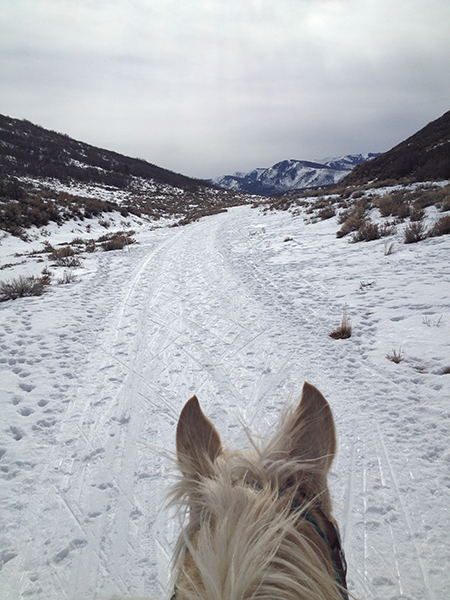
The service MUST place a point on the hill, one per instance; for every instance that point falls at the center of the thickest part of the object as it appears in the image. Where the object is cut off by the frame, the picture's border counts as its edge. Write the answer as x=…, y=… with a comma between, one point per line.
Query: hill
x=425, y=156
x=30, y=150
x=48, y=176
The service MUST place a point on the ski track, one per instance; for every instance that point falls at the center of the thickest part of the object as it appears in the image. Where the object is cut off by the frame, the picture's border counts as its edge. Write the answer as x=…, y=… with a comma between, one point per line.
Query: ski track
x=227, y=309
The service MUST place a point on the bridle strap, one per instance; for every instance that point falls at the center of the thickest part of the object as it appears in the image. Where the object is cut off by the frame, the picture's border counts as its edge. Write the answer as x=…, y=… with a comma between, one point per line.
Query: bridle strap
x=333, y=542
x=336, y=553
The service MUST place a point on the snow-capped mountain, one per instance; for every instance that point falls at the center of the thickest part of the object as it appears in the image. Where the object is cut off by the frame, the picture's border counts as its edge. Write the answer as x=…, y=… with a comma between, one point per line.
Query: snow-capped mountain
x=293, y=174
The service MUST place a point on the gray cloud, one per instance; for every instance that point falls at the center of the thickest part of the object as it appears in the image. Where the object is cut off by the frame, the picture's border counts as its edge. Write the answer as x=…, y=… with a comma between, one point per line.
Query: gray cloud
x=206, y=87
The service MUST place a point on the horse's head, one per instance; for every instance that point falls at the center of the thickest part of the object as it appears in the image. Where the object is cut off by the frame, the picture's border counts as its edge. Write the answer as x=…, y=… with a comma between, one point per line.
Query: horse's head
x=259, y=523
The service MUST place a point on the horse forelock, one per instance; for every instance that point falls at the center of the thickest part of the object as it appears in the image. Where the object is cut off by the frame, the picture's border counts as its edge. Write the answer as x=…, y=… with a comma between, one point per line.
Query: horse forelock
x=242, y=539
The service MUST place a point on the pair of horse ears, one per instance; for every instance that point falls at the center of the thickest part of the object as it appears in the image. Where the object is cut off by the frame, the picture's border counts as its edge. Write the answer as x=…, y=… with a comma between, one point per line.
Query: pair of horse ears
x=309, y=435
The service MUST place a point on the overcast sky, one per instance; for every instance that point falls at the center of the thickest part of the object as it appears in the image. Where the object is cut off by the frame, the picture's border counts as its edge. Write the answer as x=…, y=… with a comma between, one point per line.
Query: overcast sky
x=210, y=87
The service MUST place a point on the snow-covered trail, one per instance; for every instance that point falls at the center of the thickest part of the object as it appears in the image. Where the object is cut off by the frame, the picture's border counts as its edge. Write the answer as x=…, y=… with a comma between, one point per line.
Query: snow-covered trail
x=96, y=374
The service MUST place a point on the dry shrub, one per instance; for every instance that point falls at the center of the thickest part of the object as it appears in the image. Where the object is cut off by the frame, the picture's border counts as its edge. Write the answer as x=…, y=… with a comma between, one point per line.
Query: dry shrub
x=393, y=205
x=416, y=214
x=65, y=257
x=372, y=231
x=441, y=227
x=388, y=229
x=354, y=222
x=77, y=241
x=367, y=233
x=327, y=213
x=430, y=197
x=116, y=241
x=344, y=331
x=415, y=232
x=46, y=276
x=21, y=287
x=319, y=204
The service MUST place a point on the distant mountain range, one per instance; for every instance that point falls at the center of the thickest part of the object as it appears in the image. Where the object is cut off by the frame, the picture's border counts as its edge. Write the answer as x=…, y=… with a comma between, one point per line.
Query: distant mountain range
x=425, y=156
x=293, y=174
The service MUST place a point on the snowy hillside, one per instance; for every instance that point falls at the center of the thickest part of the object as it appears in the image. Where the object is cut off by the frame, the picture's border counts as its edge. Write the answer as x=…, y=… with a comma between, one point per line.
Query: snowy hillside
x=237, y=308
x=47, y=177
x=293, y=174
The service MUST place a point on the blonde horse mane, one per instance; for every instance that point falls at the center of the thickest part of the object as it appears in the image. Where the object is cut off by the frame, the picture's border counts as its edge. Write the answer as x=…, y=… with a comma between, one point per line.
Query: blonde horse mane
x=242, y=538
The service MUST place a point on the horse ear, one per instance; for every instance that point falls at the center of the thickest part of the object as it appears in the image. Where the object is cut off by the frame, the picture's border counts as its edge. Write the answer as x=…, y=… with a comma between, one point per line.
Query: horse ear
x=312, y=430
x=198, y=443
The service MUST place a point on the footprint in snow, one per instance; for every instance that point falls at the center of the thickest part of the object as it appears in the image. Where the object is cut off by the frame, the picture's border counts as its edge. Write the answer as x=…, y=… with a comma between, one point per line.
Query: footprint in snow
x=74, y=545
x=16, y=433
x=25, y=411
x=27, y=387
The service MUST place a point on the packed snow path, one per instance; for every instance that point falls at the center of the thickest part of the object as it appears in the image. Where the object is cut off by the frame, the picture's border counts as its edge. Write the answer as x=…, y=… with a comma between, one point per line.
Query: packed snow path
x=236, y=308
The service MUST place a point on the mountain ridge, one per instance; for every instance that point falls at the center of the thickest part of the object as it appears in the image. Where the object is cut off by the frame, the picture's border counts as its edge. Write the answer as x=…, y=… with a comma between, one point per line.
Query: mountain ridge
x=48, y=176
x=29, y=149
x=293, y=174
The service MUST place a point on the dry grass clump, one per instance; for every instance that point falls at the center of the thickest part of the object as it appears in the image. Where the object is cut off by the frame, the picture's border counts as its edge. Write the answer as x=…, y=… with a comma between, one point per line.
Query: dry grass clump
x=354, y=221
x=22, y=287
x=441, y=227
x=394, y=205
x=344, y=331
x=416, y=214
x=395, y=356
x=64, y=257
x=323, y=208
x=68, y=277
x=367, y=233
x=327, y=213
x=372, y=231
x=116, y=241
x=415, y=232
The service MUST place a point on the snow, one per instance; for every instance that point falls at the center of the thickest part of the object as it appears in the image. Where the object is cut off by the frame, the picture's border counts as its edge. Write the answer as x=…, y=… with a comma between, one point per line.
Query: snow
x=236, y=308
x=138, y=186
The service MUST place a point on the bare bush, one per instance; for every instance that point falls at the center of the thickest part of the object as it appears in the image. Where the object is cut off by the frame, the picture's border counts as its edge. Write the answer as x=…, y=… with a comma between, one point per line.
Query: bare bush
x=354, y=222
x=441, y=227
x=366, y=233
x=65, y=257
x=417, y=214
x=327, y=213
x=415, y=232
x=116, y=241
x=21, y=287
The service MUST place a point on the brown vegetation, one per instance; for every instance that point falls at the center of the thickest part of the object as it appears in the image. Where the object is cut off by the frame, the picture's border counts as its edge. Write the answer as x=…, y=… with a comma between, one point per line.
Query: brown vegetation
x=21, y=287
x=344, y=330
